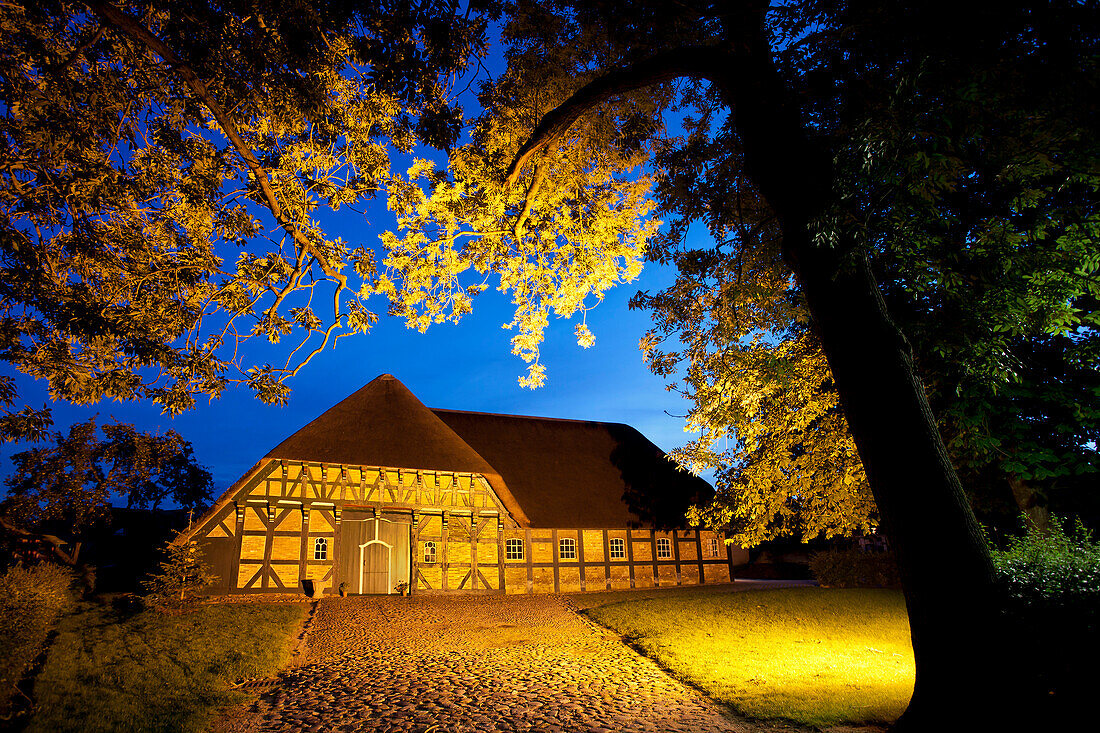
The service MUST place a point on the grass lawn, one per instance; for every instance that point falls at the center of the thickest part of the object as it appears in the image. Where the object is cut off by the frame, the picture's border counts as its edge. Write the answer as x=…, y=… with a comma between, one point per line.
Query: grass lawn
x=813, y=655
x=152, y=672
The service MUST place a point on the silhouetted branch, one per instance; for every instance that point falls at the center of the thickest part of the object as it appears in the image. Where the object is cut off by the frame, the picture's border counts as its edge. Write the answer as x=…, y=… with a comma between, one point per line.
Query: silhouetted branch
x=700, y=62
x=130, y=26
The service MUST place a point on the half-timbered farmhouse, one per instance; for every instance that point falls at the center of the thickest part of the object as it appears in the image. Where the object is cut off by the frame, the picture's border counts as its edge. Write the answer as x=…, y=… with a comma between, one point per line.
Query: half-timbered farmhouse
x=380, y=493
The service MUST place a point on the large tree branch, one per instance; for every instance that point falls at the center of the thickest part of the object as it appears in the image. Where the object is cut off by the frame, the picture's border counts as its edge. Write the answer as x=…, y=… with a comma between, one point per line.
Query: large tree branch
x=697, y=62
x=130, y=26
x=79, y=50
x=43, y=540
x=519, y=228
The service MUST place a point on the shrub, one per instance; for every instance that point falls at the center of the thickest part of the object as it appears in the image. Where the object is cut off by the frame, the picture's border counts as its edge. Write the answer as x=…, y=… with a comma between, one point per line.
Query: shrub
x=1048, y=569
x=179, y=579
x=31, y=600
x=1051, y=585
x=855, y=569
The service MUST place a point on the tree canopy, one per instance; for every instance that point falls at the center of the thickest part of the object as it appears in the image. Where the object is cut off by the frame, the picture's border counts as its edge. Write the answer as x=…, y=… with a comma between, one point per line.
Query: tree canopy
x=163, y=169
x=577, y=224
x=74, y=481
x=976, y=189
x=166, y=172
x=849, y=138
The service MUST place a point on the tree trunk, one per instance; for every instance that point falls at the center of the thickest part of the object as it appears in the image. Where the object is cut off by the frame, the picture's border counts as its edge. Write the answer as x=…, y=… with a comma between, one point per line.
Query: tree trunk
x=963, y=669
x=944, y=563
x=1030, y=503
x=943, y=559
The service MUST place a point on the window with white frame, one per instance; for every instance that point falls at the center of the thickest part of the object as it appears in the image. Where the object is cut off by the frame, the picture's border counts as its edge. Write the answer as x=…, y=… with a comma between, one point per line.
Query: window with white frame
x=429, y=552
x=714, y=547
x=567, y=548
x=616, y=548
x=513, y=549
x=320, y=548
x=664, y=548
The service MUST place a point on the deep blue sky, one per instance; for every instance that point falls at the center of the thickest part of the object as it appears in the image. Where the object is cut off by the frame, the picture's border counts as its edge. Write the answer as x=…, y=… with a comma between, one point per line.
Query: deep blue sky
x=468, y=366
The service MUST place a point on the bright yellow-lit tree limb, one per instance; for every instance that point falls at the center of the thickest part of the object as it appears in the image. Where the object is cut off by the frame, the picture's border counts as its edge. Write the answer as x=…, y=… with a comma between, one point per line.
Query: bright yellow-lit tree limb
x=701, y=62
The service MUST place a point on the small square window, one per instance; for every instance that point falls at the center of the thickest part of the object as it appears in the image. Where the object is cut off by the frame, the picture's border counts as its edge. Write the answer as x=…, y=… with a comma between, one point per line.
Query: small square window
x=664, y=548
x=617, y=548
x=429, y=552
x=567, y=549
x=513, y=549
x=320, y=548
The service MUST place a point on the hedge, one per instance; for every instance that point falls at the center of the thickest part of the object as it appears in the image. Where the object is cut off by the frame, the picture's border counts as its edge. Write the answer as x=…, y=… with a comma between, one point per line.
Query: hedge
x=31, y=600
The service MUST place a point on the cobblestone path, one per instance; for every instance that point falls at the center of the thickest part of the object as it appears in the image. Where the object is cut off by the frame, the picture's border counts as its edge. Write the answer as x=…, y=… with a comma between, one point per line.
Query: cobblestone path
x=473, y=663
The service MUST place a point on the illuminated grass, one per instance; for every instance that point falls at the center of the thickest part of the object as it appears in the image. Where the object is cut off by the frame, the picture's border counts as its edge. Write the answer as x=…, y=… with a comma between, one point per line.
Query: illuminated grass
x=157, y=673
x=813, y=655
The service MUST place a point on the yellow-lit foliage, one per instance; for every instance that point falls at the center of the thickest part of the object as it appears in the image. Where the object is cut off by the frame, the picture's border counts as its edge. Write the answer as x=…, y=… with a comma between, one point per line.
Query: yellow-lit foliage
x=164, y=176
x=817, y=656
x=167, y=178
x=763, y=402
x=791, y=467
x=575, y=225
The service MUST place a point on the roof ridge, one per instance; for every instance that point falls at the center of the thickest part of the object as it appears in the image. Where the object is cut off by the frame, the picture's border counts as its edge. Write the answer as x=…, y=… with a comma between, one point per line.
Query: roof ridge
x=527, y=417
x=384, y=424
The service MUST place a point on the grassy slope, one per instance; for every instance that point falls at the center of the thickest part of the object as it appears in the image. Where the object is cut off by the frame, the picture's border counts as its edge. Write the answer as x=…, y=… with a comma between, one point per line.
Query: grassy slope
x=153, y=672
x=813, y=655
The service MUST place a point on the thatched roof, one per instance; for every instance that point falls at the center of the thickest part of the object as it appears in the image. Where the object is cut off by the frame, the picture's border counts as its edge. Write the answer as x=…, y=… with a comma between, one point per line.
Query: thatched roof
x=578, y=474
x=548, y=473
x=384, y=424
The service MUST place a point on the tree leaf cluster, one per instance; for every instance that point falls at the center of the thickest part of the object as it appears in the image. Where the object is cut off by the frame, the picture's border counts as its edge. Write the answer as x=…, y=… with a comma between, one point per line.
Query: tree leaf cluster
x=75, y=480
x=162, y=173
x=973, y=187
x=576, y=224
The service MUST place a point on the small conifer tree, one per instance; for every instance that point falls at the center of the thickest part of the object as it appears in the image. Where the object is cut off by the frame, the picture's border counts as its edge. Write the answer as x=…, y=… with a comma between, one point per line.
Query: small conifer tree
x=179, y=577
